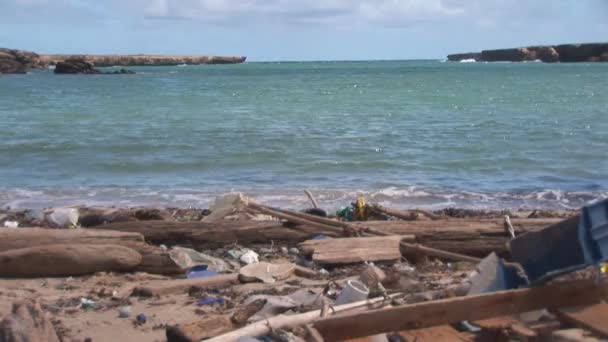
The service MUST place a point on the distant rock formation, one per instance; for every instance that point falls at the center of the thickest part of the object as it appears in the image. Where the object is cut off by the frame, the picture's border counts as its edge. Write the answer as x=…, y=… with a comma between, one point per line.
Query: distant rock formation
x=82, y=66
x=17, y=61
x=467, y=55
x=592, y=52
x=20, y=61
x=76, y=66
x=137, y=60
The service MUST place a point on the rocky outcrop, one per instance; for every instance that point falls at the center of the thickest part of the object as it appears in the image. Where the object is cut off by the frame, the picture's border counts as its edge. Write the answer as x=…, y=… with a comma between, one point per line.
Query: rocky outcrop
x=82, y=66
x=581, y=52
x=76, y=66
x=546, y=54
x=506, y=55
x=592, y=52
x=17, y=61
x=136, y=60
x=457, y=57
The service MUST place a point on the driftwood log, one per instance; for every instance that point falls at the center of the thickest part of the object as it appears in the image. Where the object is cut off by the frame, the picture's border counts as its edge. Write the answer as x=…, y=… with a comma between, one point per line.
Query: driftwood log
x=27, y=322
x=67, y=260
x=210, y=235
x=154, y=259
x=475, y=237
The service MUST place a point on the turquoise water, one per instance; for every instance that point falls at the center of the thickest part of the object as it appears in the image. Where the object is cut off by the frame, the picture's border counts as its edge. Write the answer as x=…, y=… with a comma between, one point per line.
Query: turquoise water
x=405, y=133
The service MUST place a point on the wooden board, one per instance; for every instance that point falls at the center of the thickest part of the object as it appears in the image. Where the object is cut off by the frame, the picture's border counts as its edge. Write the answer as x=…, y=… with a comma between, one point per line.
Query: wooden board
x=453, y=310
x=350, y=250
x=593, y=317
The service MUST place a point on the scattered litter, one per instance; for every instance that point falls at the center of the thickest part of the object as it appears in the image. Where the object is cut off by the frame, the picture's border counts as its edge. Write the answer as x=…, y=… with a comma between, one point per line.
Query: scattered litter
x=11, y=224
x=266, y=272
x=354, y=291
x=284, y=250
x=187, y=258
x=211, y=300
x=249, y=257
x=227, y=205
x=86, y=303
x=63, y=217
x=200, y=271
x=294, y=251
x=320, y=237
x=141, y=318
x=275, y=305
x=124, y=312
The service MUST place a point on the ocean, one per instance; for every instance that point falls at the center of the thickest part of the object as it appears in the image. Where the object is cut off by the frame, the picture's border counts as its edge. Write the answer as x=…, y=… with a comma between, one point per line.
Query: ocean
x=426, y=134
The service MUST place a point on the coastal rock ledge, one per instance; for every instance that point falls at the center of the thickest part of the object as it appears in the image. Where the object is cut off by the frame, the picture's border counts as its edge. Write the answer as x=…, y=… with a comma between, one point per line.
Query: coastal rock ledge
x=138, y=60
x=20, y=61
x=591, y=52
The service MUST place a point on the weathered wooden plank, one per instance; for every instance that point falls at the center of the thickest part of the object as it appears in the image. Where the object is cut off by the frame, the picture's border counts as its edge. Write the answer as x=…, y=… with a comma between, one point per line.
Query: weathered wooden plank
x=448, y=311
x=593, y=317
x=350, y=250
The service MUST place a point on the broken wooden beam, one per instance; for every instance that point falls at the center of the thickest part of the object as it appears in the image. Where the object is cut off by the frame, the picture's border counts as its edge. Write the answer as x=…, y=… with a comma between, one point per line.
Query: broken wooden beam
x=453, y=310
x=67, y=260
x=163, y=287
x=351, y=250
x=277, y=322
x=592, y=317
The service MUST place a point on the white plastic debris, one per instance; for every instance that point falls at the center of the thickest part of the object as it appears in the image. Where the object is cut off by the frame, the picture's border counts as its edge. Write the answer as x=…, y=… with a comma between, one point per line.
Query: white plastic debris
x=187, y=258
x=63, y=217
x=11, y=224
x=249, y=257
x=226, y=205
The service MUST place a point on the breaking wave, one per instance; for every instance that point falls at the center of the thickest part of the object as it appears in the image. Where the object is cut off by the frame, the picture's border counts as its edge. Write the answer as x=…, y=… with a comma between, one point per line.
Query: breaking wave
x=408, y=197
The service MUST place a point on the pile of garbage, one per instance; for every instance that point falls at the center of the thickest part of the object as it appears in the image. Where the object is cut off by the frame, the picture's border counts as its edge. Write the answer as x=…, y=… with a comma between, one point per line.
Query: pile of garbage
x=249, y=272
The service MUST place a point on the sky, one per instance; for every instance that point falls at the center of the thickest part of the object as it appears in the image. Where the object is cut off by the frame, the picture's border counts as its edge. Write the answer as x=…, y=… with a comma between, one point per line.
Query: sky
x=280, y=30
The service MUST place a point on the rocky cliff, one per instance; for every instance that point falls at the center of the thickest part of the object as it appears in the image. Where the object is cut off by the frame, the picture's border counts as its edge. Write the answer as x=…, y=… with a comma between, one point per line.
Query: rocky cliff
x=134, y=60
x=592, y=52
x=17, y=61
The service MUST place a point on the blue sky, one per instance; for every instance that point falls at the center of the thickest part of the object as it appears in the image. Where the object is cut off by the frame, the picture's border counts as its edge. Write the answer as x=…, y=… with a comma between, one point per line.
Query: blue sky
x=297, y=29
